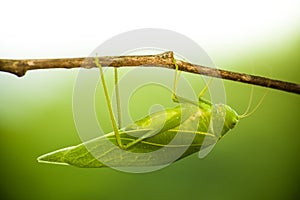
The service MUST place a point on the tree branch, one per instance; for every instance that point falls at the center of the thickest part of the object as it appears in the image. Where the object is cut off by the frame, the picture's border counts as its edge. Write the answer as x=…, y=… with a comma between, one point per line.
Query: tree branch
x=19, y=68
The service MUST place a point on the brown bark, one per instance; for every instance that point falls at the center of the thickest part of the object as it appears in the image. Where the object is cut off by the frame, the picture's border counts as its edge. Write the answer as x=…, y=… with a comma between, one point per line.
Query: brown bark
x=166, y=60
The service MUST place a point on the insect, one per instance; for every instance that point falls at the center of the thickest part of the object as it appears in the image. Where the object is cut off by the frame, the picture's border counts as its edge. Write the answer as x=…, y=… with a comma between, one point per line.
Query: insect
x=157, y=139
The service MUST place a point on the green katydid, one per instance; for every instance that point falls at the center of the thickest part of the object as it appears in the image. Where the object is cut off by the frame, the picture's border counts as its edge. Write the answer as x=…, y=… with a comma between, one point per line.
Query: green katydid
x=189, y=122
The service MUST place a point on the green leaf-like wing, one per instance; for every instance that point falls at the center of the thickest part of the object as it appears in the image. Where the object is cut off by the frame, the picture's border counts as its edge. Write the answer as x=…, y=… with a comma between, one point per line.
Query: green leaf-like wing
x=186, y=132
x=103, y=151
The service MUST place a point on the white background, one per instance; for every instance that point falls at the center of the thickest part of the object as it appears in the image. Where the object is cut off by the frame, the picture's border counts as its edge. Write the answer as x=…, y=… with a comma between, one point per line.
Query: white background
x=56, y=28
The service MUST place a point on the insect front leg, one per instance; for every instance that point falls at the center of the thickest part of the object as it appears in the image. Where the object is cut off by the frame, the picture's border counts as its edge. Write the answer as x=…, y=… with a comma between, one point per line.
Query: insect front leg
x=203, y=91
x=176, y=98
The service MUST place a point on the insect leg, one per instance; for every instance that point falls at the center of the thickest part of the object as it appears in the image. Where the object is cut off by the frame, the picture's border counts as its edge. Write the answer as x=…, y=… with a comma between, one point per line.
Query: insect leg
x=148, y=134
x=176, y=98
x=201, y=94
x=176, y=77
x=117, y=97
x=113, y=120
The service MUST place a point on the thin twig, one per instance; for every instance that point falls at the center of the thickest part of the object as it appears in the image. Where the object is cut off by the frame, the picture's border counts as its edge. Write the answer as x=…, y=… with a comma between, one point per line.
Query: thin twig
x=19, y=68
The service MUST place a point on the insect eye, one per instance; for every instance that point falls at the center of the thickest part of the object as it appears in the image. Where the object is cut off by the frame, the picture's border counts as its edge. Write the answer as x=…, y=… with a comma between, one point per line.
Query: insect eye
x=234, y=122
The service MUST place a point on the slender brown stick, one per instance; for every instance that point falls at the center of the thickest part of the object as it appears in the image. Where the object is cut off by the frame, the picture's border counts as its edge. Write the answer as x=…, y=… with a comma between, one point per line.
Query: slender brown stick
x=19, y=68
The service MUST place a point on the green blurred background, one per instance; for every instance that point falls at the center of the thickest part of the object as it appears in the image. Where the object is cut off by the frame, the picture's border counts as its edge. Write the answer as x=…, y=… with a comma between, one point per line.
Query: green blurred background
x=259, y=159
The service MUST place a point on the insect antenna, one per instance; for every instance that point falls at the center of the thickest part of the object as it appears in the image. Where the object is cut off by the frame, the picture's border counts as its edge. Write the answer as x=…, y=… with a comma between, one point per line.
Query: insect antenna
x=250, y=102
x=247, y=113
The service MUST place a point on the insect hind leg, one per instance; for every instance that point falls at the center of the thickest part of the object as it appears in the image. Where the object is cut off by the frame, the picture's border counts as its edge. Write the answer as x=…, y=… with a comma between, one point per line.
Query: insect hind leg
x=109, y=106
